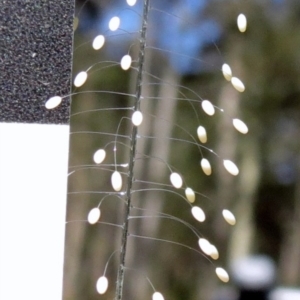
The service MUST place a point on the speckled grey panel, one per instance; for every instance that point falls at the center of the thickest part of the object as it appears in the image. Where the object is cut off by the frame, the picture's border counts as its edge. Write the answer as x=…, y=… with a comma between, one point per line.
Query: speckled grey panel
x=35, y=59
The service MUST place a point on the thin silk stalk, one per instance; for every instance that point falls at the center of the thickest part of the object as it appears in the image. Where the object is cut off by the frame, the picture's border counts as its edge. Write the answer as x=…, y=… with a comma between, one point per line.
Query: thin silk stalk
x=120, y=279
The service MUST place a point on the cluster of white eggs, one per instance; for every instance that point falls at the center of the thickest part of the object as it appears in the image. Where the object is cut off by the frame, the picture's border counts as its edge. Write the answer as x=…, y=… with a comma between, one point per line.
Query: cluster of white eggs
x=175, y=178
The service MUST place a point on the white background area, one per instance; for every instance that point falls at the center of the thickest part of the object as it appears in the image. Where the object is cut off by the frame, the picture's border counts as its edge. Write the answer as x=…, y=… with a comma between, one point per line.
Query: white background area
x=33, y=185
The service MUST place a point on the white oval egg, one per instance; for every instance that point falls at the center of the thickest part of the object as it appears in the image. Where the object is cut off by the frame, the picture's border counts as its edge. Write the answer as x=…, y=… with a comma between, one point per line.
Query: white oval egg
x=53, y=102
x=116, y=181
x=157, y=296
x=240, y=126
x=94, y=215
x=190, y=195
x=227, y=73
x=99, y=156
x=208, y=107
x=214, y=252
x=80, y=79
x=98, y=42
x=202, y=135
x=231, y=167
x=126, y=62
x=198, y=214
x=242, y=22
x=131, y=2
x=205, y=246
x=114, y=23
x=176, y=180
x=222, y=274
x=137, y=118
x=206, y=167
x=229, y=217
x=238, y=84
x=102, y=285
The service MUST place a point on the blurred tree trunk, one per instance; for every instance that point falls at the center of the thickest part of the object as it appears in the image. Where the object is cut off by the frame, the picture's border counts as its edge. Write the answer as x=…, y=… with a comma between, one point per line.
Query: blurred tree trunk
x=226, y=148
x=72, y=282
x=236, y=193
x=289, y=262
x=152, y=169
x=76, y=228
x=248, y=182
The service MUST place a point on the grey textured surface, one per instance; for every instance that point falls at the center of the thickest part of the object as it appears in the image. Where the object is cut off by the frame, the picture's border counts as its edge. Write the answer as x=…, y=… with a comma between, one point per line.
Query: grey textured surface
x=35, y=59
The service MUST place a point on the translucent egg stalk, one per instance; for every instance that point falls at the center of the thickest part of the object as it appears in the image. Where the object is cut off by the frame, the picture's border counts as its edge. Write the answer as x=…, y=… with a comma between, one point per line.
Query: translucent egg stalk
x=115, y=142
x=130, y=177
x=102, y=282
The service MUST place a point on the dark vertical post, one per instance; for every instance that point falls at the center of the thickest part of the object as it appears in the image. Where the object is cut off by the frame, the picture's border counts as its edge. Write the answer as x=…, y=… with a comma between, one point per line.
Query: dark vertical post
x=120, y=280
